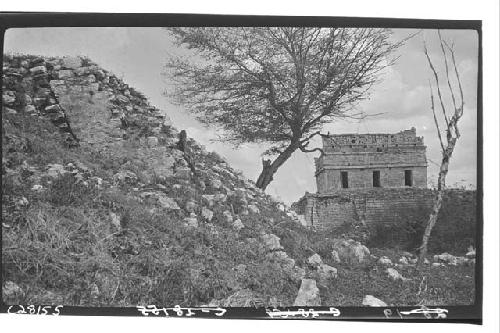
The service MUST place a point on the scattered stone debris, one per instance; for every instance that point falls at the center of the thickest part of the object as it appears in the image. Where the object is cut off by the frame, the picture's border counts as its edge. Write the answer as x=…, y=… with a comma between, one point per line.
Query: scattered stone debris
x=12, y=293
x=314, y=260
x=336, y=257
x=115, y=220
x=227, y=216
x=271, y=242
x=384, y=261
x=325, y=273
x=370, y=300
x=403, y=261
x=395, y=275
x=191, y=221
x=350, y=251
x=238, y=225
x=452, y=260
x=308, y=294
x=207, y=214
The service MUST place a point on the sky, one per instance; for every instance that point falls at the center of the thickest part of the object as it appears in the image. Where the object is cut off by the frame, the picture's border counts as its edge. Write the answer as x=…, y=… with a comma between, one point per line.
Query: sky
x=400, y=100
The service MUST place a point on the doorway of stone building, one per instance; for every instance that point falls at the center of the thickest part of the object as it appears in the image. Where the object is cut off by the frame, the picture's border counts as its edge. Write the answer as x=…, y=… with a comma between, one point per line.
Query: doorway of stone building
x=376, y=178
x=345, y=179
x=408, y=178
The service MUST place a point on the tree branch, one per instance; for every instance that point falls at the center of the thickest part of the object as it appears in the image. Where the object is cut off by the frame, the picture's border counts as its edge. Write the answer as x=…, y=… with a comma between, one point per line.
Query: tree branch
x=435, y=119
x=436, y=78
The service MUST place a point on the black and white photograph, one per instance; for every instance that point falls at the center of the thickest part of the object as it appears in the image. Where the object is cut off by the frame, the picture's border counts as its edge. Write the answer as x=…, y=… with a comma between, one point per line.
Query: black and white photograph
x=302, y=169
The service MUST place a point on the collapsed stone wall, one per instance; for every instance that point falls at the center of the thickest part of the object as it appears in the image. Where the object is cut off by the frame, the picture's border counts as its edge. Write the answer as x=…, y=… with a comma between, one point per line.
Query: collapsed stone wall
x=379, y=206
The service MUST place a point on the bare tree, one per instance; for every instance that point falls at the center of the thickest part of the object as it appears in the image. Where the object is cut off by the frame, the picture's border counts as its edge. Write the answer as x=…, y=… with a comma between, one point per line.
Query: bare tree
x=276, y=85
x=449, y=121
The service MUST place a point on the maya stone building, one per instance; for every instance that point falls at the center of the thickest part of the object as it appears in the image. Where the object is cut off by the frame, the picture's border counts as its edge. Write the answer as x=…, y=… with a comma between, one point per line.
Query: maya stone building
x=360, y=161
x=369, y=179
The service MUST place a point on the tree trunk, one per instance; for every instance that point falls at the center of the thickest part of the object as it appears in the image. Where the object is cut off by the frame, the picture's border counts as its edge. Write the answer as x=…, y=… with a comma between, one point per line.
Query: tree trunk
x=269, y=169
x=443, y=171
x=430, y=224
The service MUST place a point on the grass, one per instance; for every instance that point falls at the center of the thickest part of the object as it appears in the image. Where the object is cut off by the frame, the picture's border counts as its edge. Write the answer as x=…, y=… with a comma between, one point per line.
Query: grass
x=448, y=285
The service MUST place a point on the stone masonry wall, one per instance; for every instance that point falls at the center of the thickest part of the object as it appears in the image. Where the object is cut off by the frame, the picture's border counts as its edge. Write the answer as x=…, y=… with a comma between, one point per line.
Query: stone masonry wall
x=363, y=178
x=376, y=206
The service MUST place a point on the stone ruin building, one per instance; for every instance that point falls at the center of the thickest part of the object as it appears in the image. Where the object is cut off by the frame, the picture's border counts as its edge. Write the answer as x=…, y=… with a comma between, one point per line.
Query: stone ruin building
x=367, y=178
x=354, y=161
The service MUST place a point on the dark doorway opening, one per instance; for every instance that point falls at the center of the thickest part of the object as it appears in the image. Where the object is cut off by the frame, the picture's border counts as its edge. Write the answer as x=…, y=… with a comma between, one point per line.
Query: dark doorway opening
x=376, y=178
x=408, y=178
x=345, y=179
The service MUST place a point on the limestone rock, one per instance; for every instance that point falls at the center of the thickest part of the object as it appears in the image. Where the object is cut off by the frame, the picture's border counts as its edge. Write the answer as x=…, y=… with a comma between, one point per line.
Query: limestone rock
x=351, y=251
x=191, y=221
x=38, y=70
x=335, y=256
x=238, y=225
x=93, y=87
x=282, y=258
x=55, y=83
x=209, y=199
x=314, y=260
x=215, y=183
x=12, y=293
x=94, y=291
x=64, y=74
x=240, y=269
x=37, y=188
x=394, y=274
x=253, y=209
x=271, y=242
x=115, y=220
x=403, y=261
x=446, y=258
x=190, y=206
x=207, y=214
x=370, y=300
x=168, y=203
x=308, y=294
x=384, y=261
x=125, y=176
x=297, y=273
x=227, y=216
x=220, y=197
x=30, y=109
x=161, y=199
x=183, y=173
x=56, y=170
x=71, y=62
x=325, y=273
x=152, y=141
x=8, y=98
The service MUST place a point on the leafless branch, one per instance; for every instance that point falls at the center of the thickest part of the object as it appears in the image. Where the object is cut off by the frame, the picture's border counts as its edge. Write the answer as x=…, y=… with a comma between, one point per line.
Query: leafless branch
x=435, y=119
x=436, y=78
x=447, y=71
